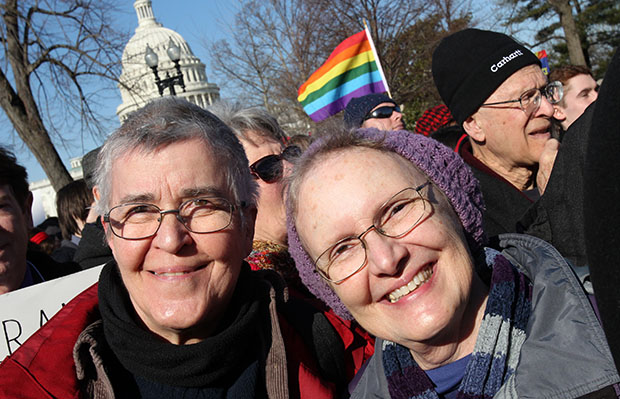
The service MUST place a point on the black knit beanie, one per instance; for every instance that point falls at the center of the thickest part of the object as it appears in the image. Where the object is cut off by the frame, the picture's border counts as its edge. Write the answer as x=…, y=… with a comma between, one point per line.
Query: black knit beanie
x=468, y=66
x=359, y=107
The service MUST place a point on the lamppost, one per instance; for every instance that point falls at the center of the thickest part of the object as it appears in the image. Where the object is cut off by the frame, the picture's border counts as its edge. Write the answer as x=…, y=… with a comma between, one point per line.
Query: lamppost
x=174, y=53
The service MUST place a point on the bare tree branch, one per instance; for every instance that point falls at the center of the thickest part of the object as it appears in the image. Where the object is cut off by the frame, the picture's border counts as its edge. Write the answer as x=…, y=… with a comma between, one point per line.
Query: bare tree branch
x=60, y=56
x=276, y=45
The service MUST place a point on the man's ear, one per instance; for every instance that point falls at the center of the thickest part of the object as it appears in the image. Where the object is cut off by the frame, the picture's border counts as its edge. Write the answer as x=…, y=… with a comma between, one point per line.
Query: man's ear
x=558, y=113
x=473, y=129
x=249, y=217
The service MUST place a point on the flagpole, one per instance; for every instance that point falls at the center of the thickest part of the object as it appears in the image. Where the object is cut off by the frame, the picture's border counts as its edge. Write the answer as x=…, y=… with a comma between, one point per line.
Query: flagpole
x=374, y=51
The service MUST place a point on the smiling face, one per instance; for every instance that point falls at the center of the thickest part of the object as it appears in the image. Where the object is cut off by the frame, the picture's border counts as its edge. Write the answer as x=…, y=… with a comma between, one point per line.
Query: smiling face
x=271, y=212
x=507, y=137
x=179, y=282
x=340, y=197
x=14, y=224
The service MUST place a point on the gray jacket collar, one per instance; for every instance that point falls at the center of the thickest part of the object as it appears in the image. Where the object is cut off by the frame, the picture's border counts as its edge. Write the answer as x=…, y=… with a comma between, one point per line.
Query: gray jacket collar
x=565, y=354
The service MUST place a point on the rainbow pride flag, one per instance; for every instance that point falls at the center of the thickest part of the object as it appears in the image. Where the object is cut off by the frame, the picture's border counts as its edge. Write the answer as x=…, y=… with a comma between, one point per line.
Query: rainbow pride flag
x=352, y=70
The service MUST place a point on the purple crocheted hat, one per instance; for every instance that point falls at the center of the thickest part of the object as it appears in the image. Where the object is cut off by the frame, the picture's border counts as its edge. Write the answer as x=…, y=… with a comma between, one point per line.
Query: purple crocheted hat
x=444, y=168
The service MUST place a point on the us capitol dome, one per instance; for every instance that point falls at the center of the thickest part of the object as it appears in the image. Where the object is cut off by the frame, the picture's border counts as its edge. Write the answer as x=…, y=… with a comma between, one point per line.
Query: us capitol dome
x=137, y=82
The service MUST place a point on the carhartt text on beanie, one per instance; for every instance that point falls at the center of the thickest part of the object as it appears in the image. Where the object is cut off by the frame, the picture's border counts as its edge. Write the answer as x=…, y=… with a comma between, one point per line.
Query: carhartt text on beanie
x=468, y=66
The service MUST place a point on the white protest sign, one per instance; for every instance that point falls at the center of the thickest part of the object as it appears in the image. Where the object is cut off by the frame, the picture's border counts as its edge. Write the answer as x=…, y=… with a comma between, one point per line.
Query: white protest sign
x=24, y=311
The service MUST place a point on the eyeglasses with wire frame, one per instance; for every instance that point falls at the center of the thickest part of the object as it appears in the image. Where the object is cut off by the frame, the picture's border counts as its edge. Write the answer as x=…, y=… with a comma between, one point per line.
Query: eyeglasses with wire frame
x=136, y=221
x=531, y=99
x=397, y=217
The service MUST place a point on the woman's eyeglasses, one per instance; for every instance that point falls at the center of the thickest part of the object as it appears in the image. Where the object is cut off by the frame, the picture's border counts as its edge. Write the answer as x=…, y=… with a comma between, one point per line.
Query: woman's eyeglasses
x=136, y=221
x=396, y=218
x=383, y=112
x=269, y=168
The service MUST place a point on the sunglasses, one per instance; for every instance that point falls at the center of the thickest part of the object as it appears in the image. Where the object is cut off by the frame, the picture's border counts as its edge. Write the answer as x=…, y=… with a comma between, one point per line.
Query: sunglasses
x=383, y=112
x=269, y=169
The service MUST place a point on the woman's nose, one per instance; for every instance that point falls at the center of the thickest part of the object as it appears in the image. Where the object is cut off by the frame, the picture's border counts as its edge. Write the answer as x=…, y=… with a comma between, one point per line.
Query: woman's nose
x=384, y=254
x=172, y=234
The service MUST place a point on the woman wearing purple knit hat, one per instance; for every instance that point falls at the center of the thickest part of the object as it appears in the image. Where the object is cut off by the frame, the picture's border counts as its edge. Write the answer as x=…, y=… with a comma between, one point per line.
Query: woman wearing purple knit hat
x=386, y=228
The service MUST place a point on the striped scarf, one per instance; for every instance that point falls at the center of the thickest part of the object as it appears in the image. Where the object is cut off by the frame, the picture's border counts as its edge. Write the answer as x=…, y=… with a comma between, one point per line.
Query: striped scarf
x=497, y=348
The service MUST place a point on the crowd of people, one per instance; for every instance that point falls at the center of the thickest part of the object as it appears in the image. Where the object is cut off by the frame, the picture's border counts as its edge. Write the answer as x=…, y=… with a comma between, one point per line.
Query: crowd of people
x=455, y=260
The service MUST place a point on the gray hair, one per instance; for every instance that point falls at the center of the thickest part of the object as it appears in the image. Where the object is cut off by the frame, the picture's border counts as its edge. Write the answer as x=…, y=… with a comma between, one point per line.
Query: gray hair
x=245, y=120
x=171, y=120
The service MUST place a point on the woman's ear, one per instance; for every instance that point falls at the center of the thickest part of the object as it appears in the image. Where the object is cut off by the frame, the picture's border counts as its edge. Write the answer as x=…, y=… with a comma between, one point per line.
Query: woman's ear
x=96, y=193
x=92, y=216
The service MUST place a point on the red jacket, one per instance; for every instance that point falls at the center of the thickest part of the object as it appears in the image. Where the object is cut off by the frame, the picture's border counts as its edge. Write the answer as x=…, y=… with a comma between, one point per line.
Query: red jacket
x=43, y=366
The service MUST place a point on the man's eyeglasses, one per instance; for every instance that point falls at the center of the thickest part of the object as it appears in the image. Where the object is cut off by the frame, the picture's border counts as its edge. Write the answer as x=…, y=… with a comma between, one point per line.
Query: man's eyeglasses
x=383, y=112
x=136, y=221
x=269, y=169
x=531, y=99
x=397, y=217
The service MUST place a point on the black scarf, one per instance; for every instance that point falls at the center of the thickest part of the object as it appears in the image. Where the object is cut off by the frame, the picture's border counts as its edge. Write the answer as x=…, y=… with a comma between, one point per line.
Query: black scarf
x=217, y=361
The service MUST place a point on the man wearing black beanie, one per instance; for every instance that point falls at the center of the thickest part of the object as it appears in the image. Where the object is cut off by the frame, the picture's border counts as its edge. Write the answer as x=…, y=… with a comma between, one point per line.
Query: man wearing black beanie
x=373, y=110
x=496, y=90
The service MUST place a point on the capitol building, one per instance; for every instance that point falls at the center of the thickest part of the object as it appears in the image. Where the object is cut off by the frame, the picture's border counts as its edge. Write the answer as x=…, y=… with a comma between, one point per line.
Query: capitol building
x=137, y=81
x=137, y=85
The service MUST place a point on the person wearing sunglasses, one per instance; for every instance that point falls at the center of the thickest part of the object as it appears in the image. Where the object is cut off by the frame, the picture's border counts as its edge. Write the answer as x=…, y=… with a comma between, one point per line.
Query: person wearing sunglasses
x=496, y=90
x=263, y=140
x=373, y=110
x=269, y=162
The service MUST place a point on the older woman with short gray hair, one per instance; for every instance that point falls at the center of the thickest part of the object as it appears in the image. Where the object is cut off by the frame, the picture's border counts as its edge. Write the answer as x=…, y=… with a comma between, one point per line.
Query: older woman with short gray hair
x=178, y=313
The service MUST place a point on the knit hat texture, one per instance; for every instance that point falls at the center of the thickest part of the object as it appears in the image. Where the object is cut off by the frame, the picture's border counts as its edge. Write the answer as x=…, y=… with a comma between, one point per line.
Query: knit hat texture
x=444, y=168
x=357, y=109
x=468, y=66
